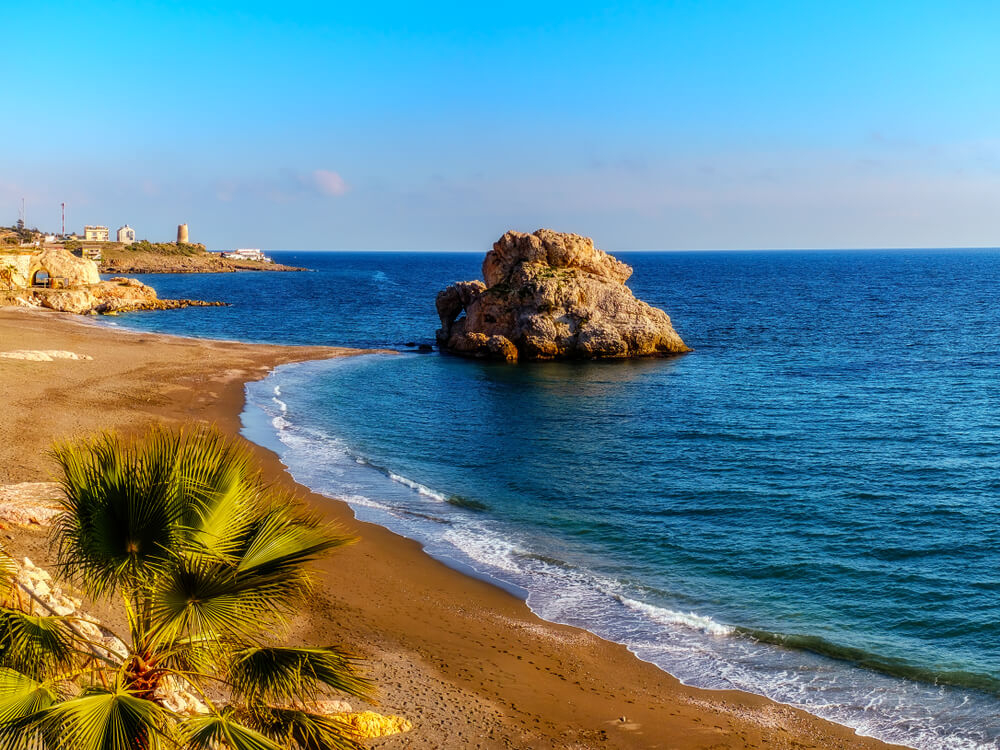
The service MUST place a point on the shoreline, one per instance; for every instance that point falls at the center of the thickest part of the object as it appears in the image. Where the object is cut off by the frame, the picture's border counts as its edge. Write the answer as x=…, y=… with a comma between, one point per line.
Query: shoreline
x=464, y=659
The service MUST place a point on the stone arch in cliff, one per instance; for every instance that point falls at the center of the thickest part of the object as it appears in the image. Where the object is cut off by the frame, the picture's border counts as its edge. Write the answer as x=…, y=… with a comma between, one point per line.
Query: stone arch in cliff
x=62, y=264
x=41, y=277
x=39, y=274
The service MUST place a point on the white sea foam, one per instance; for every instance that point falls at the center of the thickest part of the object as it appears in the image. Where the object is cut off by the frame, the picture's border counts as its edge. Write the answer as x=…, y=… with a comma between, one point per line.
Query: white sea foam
x=420, y=488
x=493, y=552
x=366, y=502
x=664, y=616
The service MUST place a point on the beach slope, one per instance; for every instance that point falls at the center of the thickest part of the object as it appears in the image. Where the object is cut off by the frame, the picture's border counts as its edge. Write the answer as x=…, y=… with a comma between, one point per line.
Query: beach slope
x=466, y=662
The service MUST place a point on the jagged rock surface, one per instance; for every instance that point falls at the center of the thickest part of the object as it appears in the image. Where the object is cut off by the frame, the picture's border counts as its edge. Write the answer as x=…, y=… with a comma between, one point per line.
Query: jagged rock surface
x=110, y=297
x=550, y=295
x=17, y=270
x=61, y=263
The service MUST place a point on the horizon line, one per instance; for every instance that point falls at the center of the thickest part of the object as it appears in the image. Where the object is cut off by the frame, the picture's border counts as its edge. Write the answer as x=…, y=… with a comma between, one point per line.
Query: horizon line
x=659, y=250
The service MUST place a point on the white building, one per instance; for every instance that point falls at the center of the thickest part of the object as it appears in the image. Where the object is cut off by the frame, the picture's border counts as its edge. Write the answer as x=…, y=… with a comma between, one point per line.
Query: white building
x=246, y=253
x=126, y=235
x=95, y=233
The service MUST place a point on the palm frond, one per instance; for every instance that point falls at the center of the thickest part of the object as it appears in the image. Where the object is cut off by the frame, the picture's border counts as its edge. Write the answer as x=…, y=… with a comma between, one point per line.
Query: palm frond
x=285, y=537
x=220, y=487
x=301, y=730
x=35, y=644
x=8, y=572
x=202, y=596
x=104, y=720
x=222, y=732
x=22, y=701
x=281, y=675
x=120, y=509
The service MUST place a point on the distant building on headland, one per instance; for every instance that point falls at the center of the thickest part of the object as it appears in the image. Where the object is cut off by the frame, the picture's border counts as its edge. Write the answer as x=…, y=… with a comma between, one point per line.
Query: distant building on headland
x=126, y=235
x=246, y=253
x=182, y=233
x=95, y=234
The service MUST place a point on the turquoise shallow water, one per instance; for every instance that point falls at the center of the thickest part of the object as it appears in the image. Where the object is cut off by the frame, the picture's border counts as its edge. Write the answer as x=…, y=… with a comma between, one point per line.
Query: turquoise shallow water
x=805, y=507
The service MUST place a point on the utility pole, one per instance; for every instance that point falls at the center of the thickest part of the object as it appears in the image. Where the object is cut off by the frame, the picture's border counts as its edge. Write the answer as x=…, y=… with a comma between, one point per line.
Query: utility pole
x=63, y=219
x=20, y=216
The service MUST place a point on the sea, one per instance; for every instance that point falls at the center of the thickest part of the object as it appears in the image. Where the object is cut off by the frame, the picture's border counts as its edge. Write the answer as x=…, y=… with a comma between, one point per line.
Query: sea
x=806, y=507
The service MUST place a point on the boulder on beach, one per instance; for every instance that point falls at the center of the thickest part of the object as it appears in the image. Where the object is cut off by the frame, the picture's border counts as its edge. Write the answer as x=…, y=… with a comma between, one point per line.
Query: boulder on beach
x=550, y=295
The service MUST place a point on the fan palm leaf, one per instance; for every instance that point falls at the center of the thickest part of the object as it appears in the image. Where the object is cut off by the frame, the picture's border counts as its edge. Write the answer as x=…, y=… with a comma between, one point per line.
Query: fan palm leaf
x=35, y=644
x=281, y=540
x=281, y=675
x=104, y=720
x=223, y=732
x=22, y=701
x=301, y=730
x=121, y=511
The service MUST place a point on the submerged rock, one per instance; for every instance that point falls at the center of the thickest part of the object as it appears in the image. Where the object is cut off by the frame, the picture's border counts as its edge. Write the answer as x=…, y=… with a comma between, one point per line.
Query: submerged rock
x=550, y=295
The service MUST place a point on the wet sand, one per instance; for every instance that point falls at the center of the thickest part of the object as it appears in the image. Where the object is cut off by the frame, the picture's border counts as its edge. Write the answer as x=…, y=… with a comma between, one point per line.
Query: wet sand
x=465, y=661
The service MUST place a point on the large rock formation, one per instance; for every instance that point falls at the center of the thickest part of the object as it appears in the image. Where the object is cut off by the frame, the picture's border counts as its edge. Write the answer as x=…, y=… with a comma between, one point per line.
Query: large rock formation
x=551, y=296
x=59, y=263
x=19, y=270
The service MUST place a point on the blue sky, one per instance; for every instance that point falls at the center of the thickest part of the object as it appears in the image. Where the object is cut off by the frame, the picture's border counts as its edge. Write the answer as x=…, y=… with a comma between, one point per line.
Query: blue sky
x=386, y=125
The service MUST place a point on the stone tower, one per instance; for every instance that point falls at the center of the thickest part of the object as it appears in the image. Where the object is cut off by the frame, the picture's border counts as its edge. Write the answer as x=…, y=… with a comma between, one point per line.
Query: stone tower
x=182, y=233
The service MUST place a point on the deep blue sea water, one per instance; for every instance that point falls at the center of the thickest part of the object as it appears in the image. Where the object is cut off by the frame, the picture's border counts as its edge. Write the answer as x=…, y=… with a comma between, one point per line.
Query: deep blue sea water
x=806, y=507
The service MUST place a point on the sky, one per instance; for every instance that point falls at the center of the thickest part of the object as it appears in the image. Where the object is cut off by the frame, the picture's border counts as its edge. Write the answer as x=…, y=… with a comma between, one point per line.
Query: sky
x=703, y=124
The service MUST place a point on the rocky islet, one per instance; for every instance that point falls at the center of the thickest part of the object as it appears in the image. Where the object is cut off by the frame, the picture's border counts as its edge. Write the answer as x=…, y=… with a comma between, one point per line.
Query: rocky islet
x=551, y=295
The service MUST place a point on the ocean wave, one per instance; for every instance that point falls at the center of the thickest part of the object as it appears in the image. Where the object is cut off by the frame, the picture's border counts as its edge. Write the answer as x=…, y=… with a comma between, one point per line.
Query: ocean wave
x=495, y=552
x=664, y=616
x=422, y=489
x=874, y=661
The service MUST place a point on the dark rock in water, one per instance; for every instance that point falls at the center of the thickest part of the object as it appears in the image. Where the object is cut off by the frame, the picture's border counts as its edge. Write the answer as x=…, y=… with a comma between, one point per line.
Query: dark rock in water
x=411, y=344
x=550, y=295
x=425, y=348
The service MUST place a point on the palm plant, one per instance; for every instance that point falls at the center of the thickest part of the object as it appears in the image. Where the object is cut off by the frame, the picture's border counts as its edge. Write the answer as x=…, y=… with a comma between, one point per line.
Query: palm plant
x=208, y=563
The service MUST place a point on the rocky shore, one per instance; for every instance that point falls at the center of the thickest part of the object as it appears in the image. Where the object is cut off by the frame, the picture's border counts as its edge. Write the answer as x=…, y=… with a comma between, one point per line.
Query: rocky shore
x=74, y=285
x=110, y=297
x=550, y=295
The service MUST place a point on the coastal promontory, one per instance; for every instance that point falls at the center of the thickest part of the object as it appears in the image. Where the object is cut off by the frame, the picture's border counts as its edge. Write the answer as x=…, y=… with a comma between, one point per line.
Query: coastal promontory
x=176, y=257
x=550, y=295
x=56, y=279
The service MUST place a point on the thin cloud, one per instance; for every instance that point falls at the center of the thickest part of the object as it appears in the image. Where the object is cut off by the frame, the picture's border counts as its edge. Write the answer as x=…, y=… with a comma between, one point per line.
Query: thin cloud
x=329, y=183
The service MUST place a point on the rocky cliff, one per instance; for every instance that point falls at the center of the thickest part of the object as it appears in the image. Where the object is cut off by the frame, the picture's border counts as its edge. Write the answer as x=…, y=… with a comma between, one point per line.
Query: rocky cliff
x=550, y=295
x=19, y=269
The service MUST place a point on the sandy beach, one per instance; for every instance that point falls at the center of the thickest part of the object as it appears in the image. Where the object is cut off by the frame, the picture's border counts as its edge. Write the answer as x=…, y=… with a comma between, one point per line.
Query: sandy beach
x=465, y=661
